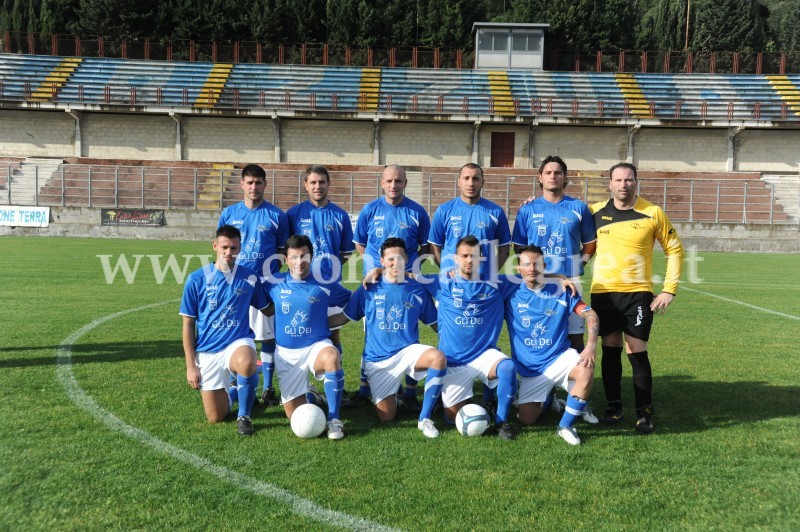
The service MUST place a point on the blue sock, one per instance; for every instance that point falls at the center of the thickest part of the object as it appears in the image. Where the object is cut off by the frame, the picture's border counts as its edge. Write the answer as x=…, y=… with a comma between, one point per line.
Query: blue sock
x=363, y=388
x=433, y=388
x=488, y=394
x=572, y=412
x=233, y=394
x=247, y=392
x=411, y=387
x=267, y=364
x=551, y=396
x=506, y=388
x=334, y=386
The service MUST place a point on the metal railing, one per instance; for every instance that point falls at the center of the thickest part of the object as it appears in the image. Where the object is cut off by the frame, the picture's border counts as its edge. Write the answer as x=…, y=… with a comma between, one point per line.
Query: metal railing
x=655, y=61
x=728, y=200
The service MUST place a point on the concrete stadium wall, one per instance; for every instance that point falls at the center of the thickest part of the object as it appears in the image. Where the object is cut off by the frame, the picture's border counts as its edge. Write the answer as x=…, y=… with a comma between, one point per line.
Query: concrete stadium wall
x=106, y=136
x=341, y=142
x=583, y=148
x=225, y=139
x=681, y=150
x=424, y=144
x=768, y=151
x=37, y=134
x=199, y=225
x=352, y=142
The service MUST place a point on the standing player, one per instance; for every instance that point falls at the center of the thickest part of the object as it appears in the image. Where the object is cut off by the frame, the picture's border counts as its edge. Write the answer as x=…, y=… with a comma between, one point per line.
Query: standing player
x=264, y=229
x=470, y=320
x=393, y=308
x=302, y=333
x=537, y=315
x=470, y=214
x=217, y=340
x=328, y=227
x=564, y=228
x=622, y=288
x=392, y=215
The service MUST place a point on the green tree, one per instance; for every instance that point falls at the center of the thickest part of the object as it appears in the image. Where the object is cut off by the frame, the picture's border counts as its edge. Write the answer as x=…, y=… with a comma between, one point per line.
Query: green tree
x=784, y=25
x=729, y=25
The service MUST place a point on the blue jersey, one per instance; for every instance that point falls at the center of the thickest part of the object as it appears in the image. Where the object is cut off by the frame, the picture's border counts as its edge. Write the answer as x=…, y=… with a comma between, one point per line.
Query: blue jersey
x=560, y=229
x=330, y=232
x=301, y=309
x=220, y=303
x=538, y=326
x=470, y=315
x=456, y=219
x=393, y=312
x=264, y=230
x=380, y=220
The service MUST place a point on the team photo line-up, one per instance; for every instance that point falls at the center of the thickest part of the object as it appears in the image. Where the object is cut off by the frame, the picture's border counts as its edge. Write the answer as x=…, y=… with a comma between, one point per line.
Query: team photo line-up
x=296, y=314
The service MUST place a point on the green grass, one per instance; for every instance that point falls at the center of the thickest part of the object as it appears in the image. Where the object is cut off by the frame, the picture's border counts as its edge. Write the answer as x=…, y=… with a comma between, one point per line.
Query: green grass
x=724, y=456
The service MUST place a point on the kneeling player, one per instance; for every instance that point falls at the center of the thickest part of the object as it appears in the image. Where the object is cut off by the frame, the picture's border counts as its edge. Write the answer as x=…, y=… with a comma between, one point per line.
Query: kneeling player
x=470, y=320
x=217, y=340
x=537, y=315
x=393, y=308
x=302, y=333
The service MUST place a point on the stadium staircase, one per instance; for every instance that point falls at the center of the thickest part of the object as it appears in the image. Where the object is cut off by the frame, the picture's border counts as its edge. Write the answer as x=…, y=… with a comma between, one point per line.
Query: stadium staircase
x=787, y=193
x=212, y=88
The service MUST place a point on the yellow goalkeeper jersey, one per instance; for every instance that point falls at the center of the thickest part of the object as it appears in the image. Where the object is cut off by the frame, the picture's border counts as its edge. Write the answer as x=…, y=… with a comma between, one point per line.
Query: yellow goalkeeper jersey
x=625, y=240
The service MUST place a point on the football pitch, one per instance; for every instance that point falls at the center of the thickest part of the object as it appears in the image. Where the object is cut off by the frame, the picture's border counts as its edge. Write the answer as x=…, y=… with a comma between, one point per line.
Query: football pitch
x=99, y=430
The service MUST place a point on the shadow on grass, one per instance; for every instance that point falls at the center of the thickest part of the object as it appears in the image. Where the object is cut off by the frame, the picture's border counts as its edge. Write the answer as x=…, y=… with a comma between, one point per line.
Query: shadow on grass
x=91, y=353
x=684, y=404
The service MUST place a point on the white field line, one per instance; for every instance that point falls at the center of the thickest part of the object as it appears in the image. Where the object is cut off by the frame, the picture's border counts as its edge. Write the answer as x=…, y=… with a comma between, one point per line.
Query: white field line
x=85, y=402
x=736, y=301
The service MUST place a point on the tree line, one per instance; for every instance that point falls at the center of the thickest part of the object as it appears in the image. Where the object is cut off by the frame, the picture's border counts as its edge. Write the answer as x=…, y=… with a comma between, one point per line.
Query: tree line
x=575, y=25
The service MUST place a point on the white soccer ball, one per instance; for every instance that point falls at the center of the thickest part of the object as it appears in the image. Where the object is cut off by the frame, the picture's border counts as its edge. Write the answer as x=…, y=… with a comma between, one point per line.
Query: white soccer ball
x=472, y=420
x=308, y=421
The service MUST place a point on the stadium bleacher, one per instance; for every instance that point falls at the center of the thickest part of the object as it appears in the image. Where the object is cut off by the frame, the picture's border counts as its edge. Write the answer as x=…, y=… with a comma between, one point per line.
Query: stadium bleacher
x=226, y=86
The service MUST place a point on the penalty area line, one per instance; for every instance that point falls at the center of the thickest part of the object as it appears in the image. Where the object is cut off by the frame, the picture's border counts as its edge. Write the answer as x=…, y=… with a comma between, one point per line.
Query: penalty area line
x=748, y=305
x=84, y=401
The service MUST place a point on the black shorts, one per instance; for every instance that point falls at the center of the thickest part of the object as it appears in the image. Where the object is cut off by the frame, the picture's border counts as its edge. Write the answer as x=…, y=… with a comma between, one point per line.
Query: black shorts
x=628, y=312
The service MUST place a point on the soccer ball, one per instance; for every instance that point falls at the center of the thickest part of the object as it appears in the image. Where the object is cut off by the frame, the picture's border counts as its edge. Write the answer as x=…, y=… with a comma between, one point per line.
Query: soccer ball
x=308, y=421
x=472, y=420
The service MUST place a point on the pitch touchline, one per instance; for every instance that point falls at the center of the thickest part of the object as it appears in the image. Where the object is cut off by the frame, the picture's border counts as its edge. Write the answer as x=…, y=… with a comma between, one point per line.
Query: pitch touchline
x=729, y=300
x=85, y=402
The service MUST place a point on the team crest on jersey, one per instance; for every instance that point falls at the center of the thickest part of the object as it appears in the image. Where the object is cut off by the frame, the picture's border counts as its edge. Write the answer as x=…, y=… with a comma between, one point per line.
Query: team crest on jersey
x=541, y=230
x=538, y=329
x=285, y=307
x=457, y=231
x=379, y=232
x=555, y=238
x=379, y=312
x=526, y=321
x=212, y=304
x=457, y=302
x=299, y=318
